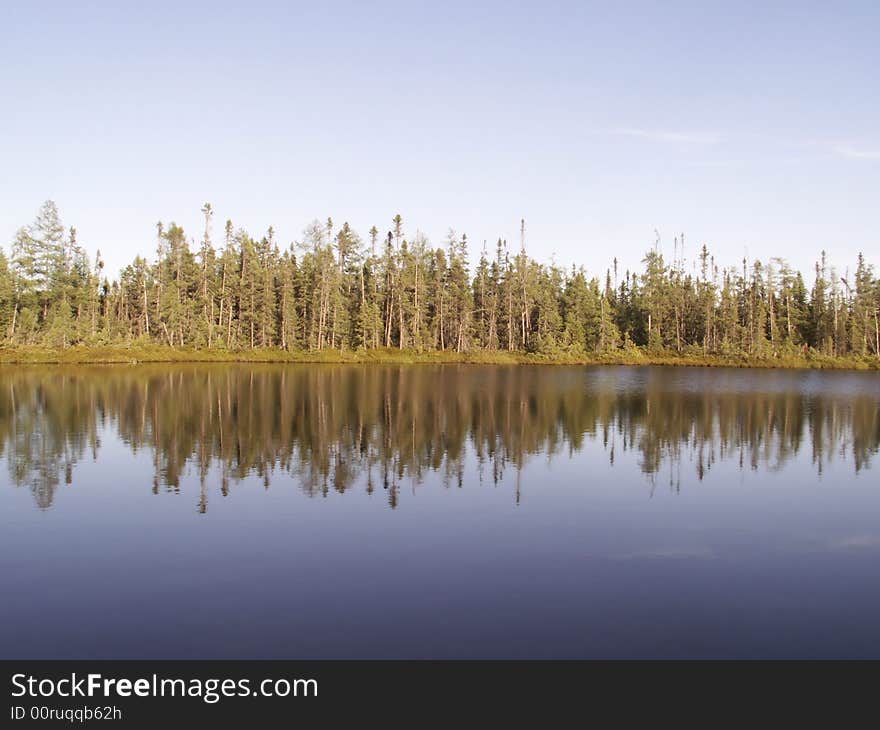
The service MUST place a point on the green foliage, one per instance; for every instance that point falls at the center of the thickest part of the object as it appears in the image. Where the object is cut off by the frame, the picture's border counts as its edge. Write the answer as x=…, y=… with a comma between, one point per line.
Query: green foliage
x=330, y=297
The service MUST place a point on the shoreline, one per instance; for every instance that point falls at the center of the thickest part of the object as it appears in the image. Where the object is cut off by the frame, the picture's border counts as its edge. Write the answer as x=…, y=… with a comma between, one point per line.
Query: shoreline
x=81, y=355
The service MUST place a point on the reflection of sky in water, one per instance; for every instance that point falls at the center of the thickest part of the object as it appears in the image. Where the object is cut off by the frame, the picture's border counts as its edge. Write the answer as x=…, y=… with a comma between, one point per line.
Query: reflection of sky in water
x=567, y=556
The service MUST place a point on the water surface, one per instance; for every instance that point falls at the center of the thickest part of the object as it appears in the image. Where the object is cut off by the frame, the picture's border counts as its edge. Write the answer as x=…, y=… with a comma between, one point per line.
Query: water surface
x=438, y=511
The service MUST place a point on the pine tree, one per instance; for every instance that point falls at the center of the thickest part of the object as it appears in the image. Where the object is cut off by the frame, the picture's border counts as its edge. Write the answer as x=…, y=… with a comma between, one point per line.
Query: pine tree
x=410, y=294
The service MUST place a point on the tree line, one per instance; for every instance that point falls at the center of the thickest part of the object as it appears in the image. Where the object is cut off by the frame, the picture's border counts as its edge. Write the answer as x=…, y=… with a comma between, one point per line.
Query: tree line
x=332, y=289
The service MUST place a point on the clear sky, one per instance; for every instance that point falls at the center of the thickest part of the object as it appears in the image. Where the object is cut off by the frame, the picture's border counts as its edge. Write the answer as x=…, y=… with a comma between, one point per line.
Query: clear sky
x=753, y=127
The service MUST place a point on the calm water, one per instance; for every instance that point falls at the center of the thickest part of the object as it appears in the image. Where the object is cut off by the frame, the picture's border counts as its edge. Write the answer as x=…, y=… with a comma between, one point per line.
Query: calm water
x=450, y=511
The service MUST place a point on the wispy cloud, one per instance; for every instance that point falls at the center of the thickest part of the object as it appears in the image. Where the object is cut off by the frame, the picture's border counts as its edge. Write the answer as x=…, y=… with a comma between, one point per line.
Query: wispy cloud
x=667, y=136
x=853, y=152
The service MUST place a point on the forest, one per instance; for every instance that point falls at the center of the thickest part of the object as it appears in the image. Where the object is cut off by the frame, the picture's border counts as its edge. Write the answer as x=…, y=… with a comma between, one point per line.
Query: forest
x=334, y=291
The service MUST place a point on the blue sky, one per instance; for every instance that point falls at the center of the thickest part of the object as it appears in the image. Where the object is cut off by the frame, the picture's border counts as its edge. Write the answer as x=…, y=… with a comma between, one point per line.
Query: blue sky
x=752, y=127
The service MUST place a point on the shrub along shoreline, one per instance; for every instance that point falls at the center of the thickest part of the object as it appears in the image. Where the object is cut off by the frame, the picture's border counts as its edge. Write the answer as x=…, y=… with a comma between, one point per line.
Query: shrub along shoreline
x=135, y=354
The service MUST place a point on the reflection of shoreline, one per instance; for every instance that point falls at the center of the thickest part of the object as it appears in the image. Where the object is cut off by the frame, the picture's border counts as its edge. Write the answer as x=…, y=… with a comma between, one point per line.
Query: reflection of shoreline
x=634, y=357
x=330, y=425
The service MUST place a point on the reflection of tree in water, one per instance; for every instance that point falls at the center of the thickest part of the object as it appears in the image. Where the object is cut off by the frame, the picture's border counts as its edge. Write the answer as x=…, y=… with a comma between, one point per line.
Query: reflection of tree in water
x=46, y=426
x=330, y=426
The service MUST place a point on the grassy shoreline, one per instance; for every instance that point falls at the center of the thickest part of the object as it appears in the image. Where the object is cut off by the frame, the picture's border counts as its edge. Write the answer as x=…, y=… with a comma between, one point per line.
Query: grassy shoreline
x=162, y=354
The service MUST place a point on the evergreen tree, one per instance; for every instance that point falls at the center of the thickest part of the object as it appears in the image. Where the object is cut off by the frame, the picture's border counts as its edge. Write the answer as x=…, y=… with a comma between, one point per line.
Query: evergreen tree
x=401, y=293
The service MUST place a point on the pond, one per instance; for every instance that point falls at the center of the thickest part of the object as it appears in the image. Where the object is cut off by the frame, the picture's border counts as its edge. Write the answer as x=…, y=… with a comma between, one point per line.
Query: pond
x=305, y=511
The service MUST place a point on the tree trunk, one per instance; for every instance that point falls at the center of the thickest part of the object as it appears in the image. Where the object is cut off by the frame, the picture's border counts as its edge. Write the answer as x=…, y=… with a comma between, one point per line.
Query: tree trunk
x=876, y=335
